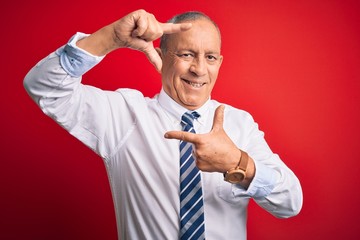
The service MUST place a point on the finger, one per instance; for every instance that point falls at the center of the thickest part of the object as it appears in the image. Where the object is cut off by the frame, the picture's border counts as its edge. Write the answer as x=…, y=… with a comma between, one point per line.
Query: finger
x=154, y=57
x=218, y=118
x=141, y=26
x=169, y=28
x=181, y=135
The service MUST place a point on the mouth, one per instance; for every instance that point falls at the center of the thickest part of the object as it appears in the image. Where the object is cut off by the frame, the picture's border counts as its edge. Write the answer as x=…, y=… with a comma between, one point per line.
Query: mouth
x=193, y=84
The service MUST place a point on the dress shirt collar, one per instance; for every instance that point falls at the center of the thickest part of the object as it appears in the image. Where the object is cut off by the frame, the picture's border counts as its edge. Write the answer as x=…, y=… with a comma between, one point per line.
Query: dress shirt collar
x=176, y=110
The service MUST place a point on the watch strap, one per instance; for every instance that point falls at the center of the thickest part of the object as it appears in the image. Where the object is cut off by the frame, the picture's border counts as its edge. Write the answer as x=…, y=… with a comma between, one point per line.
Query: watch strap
x=239, y=170
x=243, y=161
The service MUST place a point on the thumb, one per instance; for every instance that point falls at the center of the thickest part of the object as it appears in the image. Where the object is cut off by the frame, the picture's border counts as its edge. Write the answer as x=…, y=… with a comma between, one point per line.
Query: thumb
x=153, y=56
x=218, y=118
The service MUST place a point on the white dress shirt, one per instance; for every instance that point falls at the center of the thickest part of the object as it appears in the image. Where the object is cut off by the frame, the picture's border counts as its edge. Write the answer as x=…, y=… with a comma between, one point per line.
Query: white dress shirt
x=127, y=130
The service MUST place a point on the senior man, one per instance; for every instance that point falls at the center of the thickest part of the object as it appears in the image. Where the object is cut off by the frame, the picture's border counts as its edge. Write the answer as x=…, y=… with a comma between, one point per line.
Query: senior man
x=181, y=165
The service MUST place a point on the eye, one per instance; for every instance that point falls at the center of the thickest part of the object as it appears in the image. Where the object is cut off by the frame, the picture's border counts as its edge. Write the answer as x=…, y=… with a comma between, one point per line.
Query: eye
x=211, y=58
x=185, y=55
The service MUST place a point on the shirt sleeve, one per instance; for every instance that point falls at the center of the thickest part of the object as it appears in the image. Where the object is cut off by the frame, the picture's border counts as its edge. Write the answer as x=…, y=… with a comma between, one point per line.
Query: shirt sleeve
x=88, y=113
x=262, y=184
x=274, y=187
x=75, y=60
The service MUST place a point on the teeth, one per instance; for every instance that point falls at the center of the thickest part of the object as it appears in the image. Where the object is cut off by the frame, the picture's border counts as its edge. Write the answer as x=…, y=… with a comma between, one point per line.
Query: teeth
x=196, y=85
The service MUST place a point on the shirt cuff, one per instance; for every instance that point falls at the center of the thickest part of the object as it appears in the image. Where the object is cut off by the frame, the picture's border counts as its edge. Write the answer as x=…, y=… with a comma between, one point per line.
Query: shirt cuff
x=75, y=60
x=262, y=184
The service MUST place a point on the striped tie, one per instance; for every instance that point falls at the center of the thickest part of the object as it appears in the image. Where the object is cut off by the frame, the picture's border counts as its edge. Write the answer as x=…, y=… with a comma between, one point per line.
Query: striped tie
x=191, y=198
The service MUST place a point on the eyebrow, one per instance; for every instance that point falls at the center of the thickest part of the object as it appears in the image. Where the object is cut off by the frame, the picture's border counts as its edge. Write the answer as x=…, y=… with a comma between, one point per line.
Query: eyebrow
x=195, y=52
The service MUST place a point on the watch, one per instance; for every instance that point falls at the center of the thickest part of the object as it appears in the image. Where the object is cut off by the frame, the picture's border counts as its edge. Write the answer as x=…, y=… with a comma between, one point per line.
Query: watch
x=237, y=174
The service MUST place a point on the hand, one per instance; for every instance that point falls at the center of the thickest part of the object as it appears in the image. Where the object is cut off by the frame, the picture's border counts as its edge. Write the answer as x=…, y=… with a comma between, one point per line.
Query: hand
x=214, y=151
x=137, y=30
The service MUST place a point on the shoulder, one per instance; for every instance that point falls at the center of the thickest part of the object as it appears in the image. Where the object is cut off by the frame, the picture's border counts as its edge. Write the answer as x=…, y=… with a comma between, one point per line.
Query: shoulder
x=134, y=95
x=130, y=93
x=233, y=113
x=135, y=101
x=239, y=124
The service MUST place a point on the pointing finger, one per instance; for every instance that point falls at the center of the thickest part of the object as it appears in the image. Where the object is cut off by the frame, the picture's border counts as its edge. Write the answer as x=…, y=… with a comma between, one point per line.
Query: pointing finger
x=181, y=135
x=169, y=28
x=218, y=118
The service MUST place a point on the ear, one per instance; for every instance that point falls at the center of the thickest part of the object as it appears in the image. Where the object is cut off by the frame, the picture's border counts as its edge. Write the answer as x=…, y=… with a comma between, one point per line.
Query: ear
x=220, y=60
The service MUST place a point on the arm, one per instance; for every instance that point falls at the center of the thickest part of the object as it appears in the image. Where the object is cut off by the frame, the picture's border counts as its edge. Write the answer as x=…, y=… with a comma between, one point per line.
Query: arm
x=55, y=85
x=274, y=187
x=55, y=82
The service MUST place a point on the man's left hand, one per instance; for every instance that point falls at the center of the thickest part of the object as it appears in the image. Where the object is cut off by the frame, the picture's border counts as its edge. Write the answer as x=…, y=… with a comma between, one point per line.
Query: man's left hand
x=213, y=151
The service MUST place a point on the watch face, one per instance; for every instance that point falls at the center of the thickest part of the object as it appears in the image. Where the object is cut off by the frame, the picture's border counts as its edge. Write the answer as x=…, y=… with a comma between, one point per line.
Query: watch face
x=235, y=176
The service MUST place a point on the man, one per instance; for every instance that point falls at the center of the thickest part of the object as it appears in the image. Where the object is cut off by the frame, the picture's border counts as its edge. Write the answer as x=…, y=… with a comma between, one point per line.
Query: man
x=142, y=140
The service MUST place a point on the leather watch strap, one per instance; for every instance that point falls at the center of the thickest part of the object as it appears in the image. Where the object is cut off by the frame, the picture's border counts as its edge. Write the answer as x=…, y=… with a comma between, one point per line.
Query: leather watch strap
x=238, y=173
x=243, y=161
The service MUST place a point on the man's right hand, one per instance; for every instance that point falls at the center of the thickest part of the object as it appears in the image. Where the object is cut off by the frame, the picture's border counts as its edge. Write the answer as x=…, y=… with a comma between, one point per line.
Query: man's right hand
x=137, y=30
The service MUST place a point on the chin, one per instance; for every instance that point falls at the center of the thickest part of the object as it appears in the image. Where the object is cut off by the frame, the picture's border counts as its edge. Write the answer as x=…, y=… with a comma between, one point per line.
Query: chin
x=193, y=105
x=191, y=101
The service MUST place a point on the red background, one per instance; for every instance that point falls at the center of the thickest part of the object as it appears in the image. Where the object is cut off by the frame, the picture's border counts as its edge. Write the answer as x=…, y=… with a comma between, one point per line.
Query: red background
x=294, y=65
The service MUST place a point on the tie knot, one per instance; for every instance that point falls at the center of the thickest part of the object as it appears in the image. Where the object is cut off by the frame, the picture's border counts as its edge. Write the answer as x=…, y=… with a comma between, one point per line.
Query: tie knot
x=189, y=117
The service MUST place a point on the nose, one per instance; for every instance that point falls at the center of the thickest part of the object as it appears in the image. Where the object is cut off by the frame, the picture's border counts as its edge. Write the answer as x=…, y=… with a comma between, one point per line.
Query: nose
x=198, y=67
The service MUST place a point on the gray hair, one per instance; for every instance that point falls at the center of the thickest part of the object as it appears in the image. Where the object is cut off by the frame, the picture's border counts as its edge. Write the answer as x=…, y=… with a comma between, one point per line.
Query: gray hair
x=185, y=17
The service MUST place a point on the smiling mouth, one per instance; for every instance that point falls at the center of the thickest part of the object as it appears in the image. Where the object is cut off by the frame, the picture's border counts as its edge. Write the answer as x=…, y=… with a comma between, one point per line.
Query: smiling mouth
x=195, y=85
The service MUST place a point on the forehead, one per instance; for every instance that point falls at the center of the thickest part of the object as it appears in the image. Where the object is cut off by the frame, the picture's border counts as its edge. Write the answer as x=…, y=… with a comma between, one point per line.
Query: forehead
x=203, y=34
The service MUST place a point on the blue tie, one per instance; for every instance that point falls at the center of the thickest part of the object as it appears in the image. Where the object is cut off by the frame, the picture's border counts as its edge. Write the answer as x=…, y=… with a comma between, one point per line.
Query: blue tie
x=191, y=197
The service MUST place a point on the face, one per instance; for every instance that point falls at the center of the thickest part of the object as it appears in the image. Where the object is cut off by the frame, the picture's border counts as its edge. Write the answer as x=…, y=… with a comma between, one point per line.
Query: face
x=191, y=64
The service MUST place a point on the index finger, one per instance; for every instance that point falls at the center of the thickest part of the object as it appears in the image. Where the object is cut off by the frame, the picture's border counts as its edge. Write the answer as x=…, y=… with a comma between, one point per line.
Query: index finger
x=182, y=135
x=169, y=28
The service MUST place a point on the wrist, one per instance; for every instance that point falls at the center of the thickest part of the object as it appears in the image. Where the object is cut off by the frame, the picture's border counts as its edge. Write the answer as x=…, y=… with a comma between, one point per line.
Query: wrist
x=99, y=43
x=238, y=173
